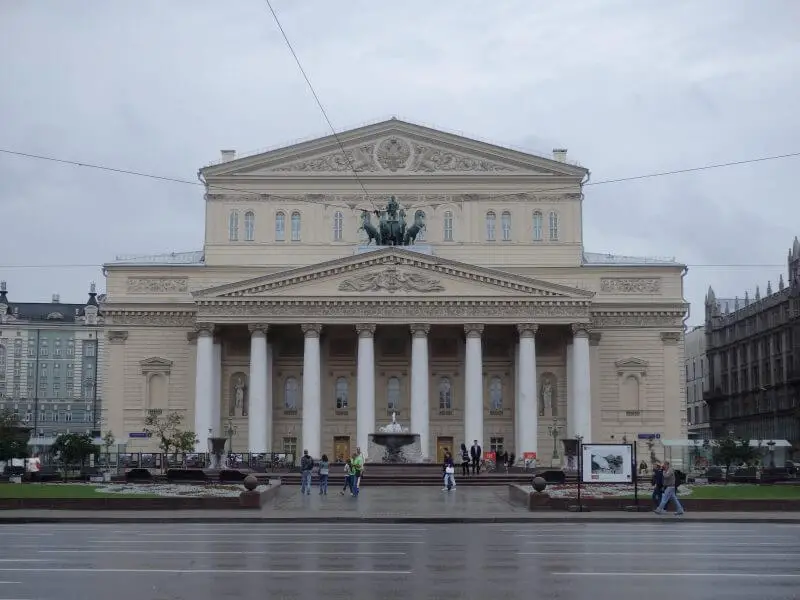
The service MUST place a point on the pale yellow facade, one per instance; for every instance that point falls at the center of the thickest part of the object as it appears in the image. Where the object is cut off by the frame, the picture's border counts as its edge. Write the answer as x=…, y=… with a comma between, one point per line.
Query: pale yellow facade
x=501, y=261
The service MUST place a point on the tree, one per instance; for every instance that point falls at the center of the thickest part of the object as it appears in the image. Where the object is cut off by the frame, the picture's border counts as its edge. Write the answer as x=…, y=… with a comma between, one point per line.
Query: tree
x=73, y=448
x=108, y=441
x=169, y=433
x=730, y=450
x=13, y=436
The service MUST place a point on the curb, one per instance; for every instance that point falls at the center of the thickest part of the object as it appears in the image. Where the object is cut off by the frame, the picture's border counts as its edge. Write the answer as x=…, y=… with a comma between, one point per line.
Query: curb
x=396, y=520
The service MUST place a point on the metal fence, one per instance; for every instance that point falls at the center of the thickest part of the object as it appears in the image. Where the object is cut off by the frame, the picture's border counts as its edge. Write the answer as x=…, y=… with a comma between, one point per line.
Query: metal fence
x=122, y=462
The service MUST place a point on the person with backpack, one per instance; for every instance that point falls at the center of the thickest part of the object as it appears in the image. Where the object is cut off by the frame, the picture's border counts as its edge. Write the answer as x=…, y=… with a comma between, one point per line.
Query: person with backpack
x=306, y=468
x=465, y=460
x=348, y=478
x=657, y=481
x=671, y=484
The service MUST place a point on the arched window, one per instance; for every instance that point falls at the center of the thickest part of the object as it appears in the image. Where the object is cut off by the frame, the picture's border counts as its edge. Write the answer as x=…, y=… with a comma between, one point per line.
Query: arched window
x=419, y=217
x=537, y=226
x=505, y=223
x=295, y=226
x=291, y=393
x=496, y=393
x=233, y=226
x=445, y=394
x=393, y=394
x=338, y=223
x=249, y=226
x=280, y=227
x=553, y=226
x=448, y=226
x=342, y=390
x=490, y=225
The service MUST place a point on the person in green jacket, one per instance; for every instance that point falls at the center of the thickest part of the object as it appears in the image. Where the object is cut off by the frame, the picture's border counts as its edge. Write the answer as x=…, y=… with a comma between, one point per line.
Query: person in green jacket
x=358, y=470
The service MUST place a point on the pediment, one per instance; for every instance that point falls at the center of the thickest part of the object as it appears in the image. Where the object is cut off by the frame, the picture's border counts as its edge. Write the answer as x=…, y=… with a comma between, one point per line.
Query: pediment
x=155, y=364
x=632, y=365
x=394, y=148
x=392, y=272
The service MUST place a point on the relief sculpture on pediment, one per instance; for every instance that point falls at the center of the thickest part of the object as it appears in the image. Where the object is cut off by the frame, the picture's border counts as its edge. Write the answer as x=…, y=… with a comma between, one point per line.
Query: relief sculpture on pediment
x=391, y=280
x=430, y=159
x=360, y=159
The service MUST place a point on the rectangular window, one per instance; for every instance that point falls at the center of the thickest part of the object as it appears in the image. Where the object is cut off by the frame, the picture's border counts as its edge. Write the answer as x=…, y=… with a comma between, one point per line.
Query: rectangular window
x=448, y=226
x=17, y=348
x=280, y=227
x=496, y=444
x=89, y=348
x=31, y=348
x=57, y=348
x=43, y=349
x=70, y=348
x=290, y=446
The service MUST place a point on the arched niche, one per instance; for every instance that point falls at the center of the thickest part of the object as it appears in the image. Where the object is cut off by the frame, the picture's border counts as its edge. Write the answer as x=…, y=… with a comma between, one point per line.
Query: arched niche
x=631, y=376
x=156, y=372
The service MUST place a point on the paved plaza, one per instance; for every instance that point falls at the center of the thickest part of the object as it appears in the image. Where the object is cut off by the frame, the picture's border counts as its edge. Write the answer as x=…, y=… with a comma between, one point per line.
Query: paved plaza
x=377, y=561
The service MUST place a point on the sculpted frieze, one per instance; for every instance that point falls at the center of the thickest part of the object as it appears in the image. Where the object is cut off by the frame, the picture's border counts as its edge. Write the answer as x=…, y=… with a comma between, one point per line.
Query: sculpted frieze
x=360, y=159
x=400, y=310
x=152, y=319
x=638, y=319
x=393, y=153
x=630, y=285
x=391, y=280
x=157, y=285
x=430, y=159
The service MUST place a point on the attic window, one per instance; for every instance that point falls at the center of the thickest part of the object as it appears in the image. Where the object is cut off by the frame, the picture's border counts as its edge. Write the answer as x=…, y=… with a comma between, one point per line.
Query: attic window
x=55, y=316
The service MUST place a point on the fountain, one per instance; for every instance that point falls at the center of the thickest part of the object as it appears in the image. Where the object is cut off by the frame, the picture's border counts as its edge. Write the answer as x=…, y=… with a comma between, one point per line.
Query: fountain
x=393, y=443
x=217, y=449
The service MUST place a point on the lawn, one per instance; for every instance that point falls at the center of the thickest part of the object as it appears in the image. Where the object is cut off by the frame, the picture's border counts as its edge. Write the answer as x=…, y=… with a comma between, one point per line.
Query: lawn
x=56, y=490
x=745, y=492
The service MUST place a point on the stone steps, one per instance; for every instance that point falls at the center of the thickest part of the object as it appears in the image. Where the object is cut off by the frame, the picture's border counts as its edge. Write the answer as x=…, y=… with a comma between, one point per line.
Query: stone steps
x=418, y=479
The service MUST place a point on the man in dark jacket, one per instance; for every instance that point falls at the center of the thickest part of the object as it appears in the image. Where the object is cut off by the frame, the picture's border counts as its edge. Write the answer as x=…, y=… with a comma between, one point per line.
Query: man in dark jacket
x=306, y=468
x=475, y=453
x=657, y=481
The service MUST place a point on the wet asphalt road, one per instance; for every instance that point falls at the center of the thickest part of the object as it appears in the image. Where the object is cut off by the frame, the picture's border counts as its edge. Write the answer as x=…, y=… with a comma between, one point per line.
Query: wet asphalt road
x=373, y=561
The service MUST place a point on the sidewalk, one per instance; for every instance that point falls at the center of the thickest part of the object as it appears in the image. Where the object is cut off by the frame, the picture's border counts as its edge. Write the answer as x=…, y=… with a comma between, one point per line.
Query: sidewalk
x=386, y=505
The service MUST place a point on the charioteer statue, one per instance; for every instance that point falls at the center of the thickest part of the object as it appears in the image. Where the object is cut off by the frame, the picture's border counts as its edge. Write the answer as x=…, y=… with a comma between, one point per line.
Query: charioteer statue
x=392, y=229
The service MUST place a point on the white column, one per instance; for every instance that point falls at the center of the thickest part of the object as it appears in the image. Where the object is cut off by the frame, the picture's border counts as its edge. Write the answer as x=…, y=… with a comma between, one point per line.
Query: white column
x=270, y=384
x=517, y=384
x=528, y=399
x=582, y=390
x=203, y=385
x=570, y=391
x=216, y=398
x=312, y=406
x=473, y=383
x=420, y=392
x=257, y=401
x=365, y=386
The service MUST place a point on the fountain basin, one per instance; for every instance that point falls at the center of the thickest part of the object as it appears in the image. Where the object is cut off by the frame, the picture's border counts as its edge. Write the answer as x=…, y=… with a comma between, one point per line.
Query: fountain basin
x=393, y=448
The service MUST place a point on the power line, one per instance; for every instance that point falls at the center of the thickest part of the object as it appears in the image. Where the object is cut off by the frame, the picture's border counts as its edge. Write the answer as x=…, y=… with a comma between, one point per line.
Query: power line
x=653, y=264
x=211, y=186
x=316, y=98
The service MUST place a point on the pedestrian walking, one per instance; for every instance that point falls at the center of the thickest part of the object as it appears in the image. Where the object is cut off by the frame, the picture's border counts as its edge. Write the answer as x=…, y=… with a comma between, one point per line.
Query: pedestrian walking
x=358, y=471
x=464, y=460
x=348, y=478
x=671, y=484
x=449, y=469
x=324, y=468
x=306, y=468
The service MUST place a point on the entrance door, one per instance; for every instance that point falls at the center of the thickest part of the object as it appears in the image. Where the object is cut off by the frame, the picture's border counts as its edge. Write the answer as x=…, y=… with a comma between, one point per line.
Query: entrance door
x=442, y=444
x=341, y=448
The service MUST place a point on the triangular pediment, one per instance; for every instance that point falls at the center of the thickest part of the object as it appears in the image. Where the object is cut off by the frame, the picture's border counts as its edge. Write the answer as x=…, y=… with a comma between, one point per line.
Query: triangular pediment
x=393, y=148
x=393, y=272
x=632, y=364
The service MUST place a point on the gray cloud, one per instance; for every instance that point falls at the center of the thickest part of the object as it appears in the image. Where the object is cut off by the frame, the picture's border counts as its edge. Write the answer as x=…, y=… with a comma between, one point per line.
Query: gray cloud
x=628, y=88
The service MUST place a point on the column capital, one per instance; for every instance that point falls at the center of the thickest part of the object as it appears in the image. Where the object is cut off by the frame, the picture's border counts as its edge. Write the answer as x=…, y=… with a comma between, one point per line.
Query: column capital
x=473, y=330
x=670, y=338
x=366, y=330
x=258, y=328
x=526, y=330
x=580, y=329
x=311, y=329
x=204, y=329
x=419, y=329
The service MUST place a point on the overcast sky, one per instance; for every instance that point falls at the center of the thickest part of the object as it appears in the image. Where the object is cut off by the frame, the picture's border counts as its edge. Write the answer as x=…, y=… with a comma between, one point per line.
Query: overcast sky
x=628, y=87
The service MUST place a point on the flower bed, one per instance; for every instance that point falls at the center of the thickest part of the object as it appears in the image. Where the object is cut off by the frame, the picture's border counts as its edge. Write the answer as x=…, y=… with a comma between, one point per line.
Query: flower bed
x=600, y=490
x=171, y=490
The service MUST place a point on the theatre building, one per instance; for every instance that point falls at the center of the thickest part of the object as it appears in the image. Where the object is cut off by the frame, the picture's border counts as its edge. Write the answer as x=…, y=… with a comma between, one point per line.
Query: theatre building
x=456, y=294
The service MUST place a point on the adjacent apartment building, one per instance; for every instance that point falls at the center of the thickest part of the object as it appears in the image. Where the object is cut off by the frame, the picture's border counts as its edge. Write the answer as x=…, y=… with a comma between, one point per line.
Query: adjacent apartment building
x=753, y=354
x=695, y=372
x=49, y=365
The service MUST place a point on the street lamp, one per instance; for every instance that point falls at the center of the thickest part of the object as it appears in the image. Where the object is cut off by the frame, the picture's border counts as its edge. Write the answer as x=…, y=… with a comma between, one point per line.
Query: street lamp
x=231, y=431
x=553, y=431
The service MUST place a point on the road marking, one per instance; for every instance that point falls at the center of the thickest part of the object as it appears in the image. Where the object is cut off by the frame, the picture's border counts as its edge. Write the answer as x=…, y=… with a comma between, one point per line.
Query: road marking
x=676, y=574
x=660, y=543
x=239, y=536
x=266, y=528
x=237, y=552
x=214, y=571
x=748, y=555
x=237, y=542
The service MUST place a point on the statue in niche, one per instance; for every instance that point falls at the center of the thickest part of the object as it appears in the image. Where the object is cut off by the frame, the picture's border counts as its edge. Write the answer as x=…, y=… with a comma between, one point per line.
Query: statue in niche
x=548, y=403
x=239, y=400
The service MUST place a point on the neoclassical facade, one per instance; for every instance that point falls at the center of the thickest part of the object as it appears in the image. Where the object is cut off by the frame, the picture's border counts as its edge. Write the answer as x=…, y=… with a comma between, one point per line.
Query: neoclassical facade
x=293, y=329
